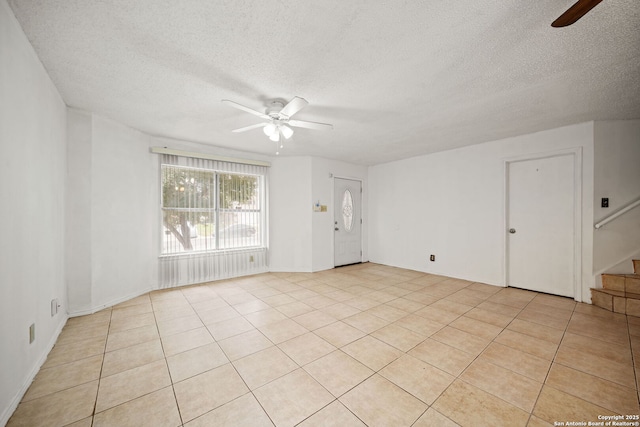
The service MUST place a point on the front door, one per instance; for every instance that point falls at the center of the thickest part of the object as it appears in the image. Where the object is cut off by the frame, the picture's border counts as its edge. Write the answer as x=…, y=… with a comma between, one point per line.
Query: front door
x=347, y=221
x=540, y=223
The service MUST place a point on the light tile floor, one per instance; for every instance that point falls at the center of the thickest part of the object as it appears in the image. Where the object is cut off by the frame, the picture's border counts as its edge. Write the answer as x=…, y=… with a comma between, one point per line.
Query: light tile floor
x=359, y=345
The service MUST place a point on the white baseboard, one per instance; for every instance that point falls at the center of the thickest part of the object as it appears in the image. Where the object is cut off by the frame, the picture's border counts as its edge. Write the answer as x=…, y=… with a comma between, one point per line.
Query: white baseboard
x=117, y=301
x=8, y=411
x=111, y=303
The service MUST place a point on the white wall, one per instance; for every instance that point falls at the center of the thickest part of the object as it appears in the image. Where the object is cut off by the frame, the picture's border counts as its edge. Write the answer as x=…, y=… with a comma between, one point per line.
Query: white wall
x=322, y=189
x=123, y=216
x=301, y=239
x=78, y=239
x=109, y=229
x=451, y=204
x=290, y=229
x=32, y=197
x=616, y=176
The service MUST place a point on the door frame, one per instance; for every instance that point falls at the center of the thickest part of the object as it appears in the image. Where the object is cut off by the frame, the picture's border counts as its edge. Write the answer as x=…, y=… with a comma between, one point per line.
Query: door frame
x=576, y=154
x=333, y=199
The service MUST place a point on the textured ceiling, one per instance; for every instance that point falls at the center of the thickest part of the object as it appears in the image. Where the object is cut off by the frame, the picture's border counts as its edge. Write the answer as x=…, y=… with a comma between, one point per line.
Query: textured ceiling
x=395, y=78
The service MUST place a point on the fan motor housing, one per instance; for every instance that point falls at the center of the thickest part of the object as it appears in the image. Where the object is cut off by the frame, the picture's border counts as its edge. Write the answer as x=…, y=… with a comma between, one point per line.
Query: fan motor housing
x=274, y=108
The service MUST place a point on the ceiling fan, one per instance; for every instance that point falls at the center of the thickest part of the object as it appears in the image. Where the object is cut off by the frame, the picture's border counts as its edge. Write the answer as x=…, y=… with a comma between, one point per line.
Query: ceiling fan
x=278, y=119
x=575, y=12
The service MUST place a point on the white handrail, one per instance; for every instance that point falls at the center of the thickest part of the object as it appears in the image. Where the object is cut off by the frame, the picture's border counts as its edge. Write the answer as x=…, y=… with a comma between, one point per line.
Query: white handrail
x=618, y=213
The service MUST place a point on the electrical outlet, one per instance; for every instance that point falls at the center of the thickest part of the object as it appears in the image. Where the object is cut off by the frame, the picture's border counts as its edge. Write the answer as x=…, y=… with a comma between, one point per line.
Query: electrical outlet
x=251, y=258
x=32, y=333
x=605, y=202
x=432, y=258
x=54, y=307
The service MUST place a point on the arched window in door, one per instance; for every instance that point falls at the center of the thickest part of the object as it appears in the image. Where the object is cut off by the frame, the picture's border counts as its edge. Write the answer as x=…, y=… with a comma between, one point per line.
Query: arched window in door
x=347, y=210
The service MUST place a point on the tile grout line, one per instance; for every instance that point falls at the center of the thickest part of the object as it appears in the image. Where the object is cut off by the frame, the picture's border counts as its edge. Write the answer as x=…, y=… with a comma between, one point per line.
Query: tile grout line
x=104, y=354
x=551, y=364
x=633, y=364
x=335, y=399
x=173, y=389
x=371, y=289
x=233, y=366
x=458, y=377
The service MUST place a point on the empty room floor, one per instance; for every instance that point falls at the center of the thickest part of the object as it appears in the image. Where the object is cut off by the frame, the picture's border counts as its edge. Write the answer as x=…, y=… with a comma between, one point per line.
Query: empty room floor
x=361, y=345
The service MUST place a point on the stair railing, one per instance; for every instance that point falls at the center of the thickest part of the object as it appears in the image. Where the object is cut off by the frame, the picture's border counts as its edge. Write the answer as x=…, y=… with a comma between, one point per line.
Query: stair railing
x=617, y=213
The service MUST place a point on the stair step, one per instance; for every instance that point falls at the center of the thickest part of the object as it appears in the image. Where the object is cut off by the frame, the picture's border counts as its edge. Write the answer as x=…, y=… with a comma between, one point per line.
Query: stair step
x=620, y=293
x=616, y=301
x=622, y=282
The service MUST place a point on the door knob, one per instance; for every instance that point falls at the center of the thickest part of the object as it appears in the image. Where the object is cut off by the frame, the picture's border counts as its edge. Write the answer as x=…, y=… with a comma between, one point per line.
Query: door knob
x=512, y=230
x=336, y=229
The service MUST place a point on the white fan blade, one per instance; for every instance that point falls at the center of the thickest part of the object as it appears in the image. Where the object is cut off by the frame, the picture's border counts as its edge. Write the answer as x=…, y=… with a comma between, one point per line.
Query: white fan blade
x=246, y=128
x=247, y=109
x=295, y=105
x=310, y=125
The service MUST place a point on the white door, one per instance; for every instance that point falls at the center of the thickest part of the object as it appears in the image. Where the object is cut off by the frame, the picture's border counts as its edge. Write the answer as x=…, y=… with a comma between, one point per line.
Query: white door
x=347, y=221
x=540, y=222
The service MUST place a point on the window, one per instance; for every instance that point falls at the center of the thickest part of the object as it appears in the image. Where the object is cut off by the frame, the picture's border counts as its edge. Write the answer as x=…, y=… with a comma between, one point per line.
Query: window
x=206, y=210
x=347, y=210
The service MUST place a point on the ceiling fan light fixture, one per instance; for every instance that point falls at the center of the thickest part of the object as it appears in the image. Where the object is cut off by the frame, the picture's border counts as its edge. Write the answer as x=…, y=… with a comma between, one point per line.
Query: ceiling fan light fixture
x=269, y=129
x=286, y=131
x=278, y=123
